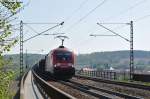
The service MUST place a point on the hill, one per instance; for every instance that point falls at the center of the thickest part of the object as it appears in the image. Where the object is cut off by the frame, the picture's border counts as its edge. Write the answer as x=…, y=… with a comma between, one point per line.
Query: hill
x=115, y=59
x=30, y=59
x=101, y=60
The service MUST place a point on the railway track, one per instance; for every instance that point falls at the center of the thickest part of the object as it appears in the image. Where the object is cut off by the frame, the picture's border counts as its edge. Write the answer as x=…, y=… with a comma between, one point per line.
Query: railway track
x=127, y=84
x=88, y=89
x=127, y=90
x=81, y=89
x=114, y=94
x=97, y=92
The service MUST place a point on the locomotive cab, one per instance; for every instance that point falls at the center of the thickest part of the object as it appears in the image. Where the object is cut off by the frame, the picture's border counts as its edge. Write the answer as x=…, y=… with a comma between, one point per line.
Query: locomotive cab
x=63, y=62
x=60, y=62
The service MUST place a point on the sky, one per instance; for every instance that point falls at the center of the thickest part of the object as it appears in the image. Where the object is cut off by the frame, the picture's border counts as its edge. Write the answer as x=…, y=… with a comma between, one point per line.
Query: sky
x=80, y=20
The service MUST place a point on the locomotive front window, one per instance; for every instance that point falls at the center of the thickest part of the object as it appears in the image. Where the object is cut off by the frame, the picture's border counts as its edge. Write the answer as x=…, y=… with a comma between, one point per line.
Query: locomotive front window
x=63, y=56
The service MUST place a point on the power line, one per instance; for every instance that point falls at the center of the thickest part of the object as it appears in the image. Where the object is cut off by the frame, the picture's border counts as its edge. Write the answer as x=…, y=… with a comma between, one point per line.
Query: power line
x=36, y=23
x=101, y=35
x=118, y=27
x=113, y=32
x=135, y=5
x=11, y=20
x=132, y=7
x=113, y=23
x=83, y=42
x=27, y=25
x=54, y=34
x=80, y=6
x=31, y=28
x=73, y=13
x=43, y=31
x=131, y=45
x=142, y=18
x=91, y=11
x=128, y=9
x=40, y=23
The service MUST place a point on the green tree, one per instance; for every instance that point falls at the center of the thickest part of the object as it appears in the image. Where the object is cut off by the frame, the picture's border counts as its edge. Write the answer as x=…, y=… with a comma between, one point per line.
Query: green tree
x=8, y=8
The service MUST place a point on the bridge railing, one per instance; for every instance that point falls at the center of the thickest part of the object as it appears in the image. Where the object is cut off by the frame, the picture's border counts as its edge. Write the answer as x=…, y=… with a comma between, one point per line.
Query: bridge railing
x=105, y=74
x=47, y=90
x=22, y=85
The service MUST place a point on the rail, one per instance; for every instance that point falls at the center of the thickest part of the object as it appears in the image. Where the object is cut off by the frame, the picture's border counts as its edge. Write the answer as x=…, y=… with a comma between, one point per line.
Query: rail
x=106, y=91
x=127, y=84
x=47, y=90
x=85, y=90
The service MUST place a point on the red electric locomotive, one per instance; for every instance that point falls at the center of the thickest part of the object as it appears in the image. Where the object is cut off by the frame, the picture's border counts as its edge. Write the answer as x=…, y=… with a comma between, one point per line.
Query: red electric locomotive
x=59, y=62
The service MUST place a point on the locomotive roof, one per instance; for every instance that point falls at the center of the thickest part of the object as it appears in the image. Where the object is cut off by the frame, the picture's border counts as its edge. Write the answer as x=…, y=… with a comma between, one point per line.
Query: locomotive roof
x=60, y=48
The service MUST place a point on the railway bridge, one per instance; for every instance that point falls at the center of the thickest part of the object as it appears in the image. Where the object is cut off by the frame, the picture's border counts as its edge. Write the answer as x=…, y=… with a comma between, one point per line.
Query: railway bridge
x=36, y=86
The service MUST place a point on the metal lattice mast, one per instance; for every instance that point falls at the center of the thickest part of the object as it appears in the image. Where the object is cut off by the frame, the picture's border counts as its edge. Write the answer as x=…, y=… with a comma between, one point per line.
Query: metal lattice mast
x=131, y=51
x=26, y=60
x=130, y=41
x=21, y=48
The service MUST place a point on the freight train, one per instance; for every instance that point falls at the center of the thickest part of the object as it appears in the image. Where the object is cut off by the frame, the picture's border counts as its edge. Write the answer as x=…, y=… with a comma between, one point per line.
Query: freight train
x=58, y=63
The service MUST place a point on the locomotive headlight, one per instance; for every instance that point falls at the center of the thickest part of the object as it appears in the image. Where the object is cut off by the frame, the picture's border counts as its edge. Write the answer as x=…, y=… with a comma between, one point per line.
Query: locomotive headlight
x=55, y=65
x=70, y=64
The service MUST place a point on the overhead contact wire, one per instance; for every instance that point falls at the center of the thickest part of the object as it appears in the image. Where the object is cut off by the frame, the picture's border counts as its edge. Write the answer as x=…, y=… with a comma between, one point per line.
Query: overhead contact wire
x=81, y=19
